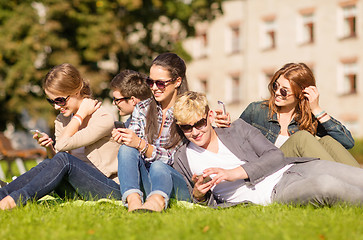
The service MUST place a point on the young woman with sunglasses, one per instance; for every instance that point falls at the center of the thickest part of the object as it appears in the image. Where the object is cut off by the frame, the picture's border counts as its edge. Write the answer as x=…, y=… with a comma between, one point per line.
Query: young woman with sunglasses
x=150, y=141
x=83, y=161
x=292, y=117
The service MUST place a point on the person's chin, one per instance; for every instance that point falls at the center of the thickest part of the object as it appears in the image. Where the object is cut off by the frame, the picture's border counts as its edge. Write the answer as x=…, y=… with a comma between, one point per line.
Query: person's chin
x=158, y=96
x=198, y=141
x=66, y=113
x=279, y=101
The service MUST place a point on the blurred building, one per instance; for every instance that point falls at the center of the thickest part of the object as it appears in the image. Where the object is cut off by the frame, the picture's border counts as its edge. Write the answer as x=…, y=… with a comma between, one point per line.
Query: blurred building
x=235, y=55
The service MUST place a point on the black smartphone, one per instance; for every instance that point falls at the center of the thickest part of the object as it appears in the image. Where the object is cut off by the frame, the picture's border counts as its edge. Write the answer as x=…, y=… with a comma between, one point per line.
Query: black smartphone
x=119, y=124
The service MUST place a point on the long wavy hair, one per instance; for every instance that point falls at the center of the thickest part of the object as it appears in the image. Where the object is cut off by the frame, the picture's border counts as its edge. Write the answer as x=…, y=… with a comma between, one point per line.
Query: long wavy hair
x=300, y=76
x=176, y=68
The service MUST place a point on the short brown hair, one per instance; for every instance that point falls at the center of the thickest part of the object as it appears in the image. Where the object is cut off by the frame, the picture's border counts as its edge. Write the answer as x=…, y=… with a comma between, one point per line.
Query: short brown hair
x=131, y=83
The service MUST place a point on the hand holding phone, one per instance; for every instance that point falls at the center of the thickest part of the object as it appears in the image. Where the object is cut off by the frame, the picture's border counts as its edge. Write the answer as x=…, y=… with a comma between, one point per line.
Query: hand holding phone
x=34, y=131
x=119, y=124
x=206, y=179
x=223, y=107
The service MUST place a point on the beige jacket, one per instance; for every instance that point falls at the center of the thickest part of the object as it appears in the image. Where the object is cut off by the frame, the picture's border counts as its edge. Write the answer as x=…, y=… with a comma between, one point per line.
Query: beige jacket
x=100, y=150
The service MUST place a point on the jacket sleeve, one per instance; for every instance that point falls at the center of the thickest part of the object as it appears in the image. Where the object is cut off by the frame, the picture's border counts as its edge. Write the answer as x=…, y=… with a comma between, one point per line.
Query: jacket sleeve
x=336, y=130
x=99, y=126
x=266, y=158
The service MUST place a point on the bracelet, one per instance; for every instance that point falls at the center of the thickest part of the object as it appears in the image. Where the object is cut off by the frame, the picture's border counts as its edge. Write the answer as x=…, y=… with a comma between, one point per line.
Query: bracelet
x=143, y=151
x=78, y=118
x=319, y=114
x=322, y=116
x=138, y=145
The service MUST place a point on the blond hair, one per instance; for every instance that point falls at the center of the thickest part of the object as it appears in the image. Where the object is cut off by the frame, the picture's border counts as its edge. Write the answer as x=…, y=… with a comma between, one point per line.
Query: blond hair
x=190, y=106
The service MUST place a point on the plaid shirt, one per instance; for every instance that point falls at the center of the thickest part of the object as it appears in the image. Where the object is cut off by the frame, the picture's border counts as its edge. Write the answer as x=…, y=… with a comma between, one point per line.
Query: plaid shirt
x=138, y=124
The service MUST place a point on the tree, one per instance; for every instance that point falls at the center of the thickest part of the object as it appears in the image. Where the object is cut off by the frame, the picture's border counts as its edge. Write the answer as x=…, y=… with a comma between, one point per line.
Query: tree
x=98, y=37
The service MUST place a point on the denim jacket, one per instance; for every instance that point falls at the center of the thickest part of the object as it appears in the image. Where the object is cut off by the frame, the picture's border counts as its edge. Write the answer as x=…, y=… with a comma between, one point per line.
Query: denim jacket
x=257, y=114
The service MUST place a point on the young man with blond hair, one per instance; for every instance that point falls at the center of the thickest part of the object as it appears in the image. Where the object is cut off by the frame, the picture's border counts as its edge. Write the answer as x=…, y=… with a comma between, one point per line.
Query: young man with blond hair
x=226, y=166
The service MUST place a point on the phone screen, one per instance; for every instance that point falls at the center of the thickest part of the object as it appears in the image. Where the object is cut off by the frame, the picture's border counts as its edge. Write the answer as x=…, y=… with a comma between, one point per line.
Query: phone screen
x=36, y=132
x=119, y=124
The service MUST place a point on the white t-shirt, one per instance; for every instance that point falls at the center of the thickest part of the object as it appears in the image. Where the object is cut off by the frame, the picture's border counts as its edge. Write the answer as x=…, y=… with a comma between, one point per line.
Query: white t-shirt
x=238, y=191
x=281, y=139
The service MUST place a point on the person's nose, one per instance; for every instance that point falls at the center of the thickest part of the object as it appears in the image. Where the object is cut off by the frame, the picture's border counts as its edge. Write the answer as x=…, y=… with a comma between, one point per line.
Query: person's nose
x=56, y=107
x=195, y=131
x=154, y=87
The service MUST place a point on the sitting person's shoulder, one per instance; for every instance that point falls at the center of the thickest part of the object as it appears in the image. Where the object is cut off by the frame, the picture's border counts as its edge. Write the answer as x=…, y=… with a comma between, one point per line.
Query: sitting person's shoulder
x=144, y=103
x=259, y=104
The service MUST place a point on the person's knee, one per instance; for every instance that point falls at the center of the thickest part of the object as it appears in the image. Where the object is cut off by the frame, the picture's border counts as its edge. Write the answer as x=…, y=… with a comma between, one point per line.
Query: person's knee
x=328, y=141
x=158, y=166
x=63, y=157
x=302, y=135
x=325, y=185
x=127, y=153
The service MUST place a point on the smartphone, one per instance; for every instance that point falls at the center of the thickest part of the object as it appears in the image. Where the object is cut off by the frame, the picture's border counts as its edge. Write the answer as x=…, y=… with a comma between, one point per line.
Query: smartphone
x=223, y=107
x=119, y=124
x=36, y=132
x=206, y=179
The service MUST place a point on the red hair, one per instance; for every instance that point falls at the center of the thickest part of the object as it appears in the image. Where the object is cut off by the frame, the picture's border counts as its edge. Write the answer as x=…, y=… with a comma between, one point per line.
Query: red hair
x=300, y=76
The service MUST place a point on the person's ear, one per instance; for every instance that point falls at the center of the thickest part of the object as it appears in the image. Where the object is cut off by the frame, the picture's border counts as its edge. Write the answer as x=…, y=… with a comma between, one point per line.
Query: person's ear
x=134, y=100
x=211, y=116
x=178, y=82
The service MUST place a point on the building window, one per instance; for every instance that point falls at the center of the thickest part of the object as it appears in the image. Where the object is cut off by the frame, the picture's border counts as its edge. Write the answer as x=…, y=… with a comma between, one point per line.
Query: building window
x=347, y=20
x=203, y=85
x=266, y=77
x=233, y=38
x=269, y=34
x=233, y=94
x=201, y=45
x=347, y=83
x=306, y=27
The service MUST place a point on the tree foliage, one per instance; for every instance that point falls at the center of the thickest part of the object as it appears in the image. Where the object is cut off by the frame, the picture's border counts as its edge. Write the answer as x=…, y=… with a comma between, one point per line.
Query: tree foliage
x=99, y=37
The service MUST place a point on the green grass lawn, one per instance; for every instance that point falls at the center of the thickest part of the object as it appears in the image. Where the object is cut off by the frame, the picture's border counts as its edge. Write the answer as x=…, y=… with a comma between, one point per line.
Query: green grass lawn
x=54, y=220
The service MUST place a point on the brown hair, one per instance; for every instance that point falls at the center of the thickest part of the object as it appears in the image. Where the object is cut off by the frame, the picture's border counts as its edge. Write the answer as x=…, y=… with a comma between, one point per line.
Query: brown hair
x=131, y=83
x=300, y=76
x=177, y=68
x=66, y=79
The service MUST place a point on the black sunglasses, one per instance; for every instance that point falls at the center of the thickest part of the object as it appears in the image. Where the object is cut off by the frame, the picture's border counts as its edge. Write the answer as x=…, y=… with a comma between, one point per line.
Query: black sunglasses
x=118, y=100
x=283, y=91
x=60, y=101
x=159, y=83
x=202, y=123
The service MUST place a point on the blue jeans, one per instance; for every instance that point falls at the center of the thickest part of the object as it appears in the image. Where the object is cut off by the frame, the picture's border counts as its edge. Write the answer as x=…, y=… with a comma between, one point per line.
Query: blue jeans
x=63, y=170
x=138, y=176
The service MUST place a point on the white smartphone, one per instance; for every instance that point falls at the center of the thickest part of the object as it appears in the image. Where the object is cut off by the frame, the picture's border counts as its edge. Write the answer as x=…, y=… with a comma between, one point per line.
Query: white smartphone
x=33, y=131
x=223, y=107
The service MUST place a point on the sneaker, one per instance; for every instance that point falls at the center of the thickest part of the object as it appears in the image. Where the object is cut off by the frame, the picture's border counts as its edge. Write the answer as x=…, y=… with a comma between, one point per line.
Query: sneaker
x=2, y=183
